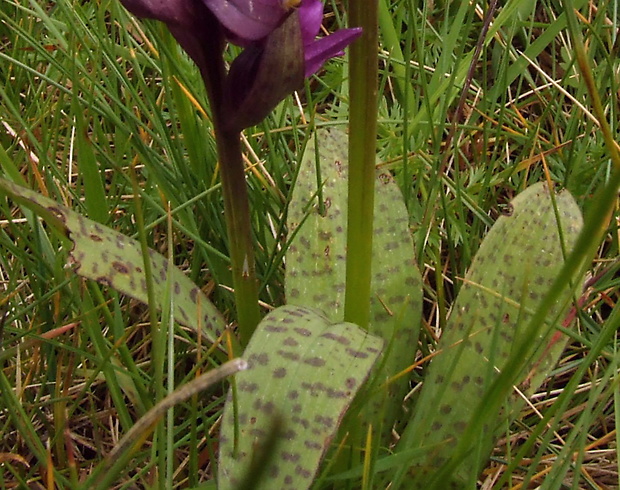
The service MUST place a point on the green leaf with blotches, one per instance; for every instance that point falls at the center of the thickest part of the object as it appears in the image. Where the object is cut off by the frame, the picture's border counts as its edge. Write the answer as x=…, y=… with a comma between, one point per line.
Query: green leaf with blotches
x=111, y=258
x=316, y=268
x=507, y=281
x=304, y=371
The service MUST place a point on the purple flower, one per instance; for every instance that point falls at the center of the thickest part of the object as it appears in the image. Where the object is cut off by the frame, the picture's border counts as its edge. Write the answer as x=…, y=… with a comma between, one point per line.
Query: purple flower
x=251, y=21
x=280, y=41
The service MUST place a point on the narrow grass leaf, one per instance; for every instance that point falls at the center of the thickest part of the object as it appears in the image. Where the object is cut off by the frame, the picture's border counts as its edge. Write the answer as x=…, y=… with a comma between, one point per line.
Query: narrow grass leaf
x=103, y=475
x=94, y=192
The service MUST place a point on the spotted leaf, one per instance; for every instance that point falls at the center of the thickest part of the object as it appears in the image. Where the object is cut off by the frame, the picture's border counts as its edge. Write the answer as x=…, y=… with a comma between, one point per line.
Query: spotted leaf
x=106, y=256
x=303, y=372
x=507, y=281
x=315, y=260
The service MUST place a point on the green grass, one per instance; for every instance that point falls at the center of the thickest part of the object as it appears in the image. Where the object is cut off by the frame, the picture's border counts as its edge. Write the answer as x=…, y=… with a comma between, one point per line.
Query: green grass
x=87, y=94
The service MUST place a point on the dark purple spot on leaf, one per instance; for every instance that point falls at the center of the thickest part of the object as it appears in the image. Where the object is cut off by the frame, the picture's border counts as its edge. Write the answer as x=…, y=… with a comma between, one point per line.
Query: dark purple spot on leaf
x=291, y=356
x=289, y=434
x=247, y=386
x=290, y=341
x=303, y=422
x=313, y=445
x=356, y=353
x=331, y=393
x=184, y=315
x=292, y=457
x=304, y=473
x=268, y=408
x=193, y=294
x=328, y=422
x=275, y=328
x=261, y=359
x=315, y=361
x=338, y=338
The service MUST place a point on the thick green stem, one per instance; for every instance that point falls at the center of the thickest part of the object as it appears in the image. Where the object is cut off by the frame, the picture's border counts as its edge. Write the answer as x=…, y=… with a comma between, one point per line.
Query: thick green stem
x=238, y=224
x=363, y=75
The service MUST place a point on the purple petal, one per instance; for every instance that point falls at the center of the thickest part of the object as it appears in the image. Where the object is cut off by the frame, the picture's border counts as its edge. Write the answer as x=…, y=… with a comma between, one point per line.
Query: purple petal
x=248, y=20
x=310, y=18
x=318, y=52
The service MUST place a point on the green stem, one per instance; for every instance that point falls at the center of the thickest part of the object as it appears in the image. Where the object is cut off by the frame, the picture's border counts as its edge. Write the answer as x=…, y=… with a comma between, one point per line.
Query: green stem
x=363, y=75
x=238, y=225
x=234, y=189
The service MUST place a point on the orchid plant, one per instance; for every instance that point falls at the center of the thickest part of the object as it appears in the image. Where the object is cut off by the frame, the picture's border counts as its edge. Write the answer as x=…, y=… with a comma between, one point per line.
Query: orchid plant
x=280, y=49
x=332, y=364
